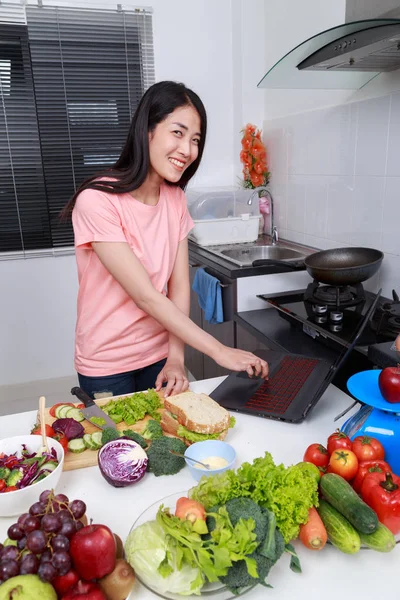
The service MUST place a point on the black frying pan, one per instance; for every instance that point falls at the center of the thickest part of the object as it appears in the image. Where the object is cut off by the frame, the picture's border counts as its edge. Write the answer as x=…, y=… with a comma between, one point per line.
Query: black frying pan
x=343, y=266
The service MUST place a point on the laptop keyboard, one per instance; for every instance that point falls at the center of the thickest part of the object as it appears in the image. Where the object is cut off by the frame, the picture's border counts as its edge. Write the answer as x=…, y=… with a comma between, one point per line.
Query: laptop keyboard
x=276, y=394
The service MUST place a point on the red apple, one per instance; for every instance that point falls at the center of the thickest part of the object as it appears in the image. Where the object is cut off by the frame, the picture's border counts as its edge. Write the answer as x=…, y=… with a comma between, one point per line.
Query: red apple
x=389, y=384
x=85, y=590
x=93, y=551
x=63, y=583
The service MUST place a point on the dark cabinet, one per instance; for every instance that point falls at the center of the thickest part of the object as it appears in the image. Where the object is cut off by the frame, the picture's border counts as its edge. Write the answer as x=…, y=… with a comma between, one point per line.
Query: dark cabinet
x=200, y=365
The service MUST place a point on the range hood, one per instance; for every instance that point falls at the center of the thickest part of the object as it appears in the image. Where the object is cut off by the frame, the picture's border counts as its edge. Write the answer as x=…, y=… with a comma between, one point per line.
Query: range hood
x=344, y=57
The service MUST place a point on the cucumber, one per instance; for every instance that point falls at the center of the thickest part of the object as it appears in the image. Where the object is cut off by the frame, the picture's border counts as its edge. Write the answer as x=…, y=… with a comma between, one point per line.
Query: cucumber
x=60, y=408
x=87, y=440
x=339, y=493
x=96, y=439
x=340, y=532
x=76, y=446
x=51, y=465
x=74, y=413
x=382, y=540
x=62, y=411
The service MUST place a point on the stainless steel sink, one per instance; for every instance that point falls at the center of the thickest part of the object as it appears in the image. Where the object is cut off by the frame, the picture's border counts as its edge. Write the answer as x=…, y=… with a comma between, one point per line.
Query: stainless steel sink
x=245, y=255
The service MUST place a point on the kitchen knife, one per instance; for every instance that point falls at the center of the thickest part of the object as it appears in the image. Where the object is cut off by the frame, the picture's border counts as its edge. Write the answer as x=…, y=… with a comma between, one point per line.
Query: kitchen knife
x=92, y=410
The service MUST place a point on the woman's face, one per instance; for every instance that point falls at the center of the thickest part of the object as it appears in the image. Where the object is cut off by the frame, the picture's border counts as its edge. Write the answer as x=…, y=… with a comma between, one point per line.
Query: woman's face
x=174, y=143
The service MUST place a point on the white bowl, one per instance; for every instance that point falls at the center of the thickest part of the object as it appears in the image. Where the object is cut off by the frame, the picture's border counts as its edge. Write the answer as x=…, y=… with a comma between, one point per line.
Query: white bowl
x=19, y=501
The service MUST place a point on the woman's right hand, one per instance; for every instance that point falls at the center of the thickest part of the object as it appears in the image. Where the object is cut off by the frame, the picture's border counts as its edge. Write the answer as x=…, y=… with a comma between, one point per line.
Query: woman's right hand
x=241, y=360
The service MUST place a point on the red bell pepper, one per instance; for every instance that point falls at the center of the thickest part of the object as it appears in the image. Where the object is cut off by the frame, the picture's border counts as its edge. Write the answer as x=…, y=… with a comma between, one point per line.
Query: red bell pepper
x=381, y=491
x=369, y=466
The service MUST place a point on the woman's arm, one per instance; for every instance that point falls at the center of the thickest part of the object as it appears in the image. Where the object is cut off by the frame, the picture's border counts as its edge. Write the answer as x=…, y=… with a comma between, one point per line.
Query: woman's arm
x=179, y=294
x=124, y=266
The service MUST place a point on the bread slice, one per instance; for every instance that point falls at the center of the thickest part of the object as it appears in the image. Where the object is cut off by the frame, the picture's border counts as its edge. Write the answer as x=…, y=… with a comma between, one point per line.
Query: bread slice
x=198, y=412
x=170, y=426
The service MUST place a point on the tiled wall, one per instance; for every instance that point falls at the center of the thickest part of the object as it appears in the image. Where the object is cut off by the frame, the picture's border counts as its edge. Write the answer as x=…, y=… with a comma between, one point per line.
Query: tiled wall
x=336, y=179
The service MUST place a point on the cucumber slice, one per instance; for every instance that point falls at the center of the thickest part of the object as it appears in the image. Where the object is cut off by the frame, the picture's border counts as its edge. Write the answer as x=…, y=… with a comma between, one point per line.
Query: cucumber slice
x=74, y=413
x=87, y=440
x=77, y=446
x=96, y=439
x=60, y=408
x=62, y=411
x=50, y=465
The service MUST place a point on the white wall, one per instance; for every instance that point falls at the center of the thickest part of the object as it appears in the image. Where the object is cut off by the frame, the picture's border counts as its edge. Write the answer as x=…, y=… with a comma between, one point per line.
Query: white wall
x=194, y=42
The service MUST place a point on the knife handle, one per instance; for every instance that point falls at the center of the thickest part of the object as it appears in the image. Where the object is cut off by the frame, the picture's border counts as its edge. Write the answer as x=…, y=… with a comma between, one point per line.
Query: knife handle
x=83, y=396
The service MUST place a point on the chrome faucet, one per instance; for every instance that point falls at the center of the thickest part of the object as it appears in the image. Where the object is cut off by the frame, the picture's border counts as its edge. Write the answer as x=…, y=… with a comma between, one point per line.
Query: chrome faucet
x=274, y=230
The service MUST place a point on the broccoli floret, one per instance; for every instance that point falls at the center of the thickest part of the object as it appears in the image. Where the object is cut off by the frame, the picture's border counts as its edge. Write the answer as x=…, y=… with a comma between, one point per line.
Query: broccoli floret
x=245, y=508
x=153, y=430
x=109, y=434
x=161, y=461
x=238, y=577
x=136, y=437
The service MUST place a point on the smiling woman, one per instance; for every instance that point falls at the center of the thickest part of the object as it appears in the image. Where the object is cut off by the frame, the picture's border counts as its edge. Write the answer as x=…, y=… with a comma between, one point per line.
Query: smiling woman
x=131, y=224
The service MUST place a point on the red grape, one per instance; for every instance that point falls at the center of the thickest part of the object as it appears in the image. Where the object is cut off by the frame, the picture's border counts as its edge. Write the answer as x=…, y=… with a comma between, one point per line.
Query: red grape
x=36, y=541
x=47, y=571
x=9, y=553
x=8, y=568
x=62, y=498
x=51, y=522
x=21, y=543
x=68, y=528
x=62, y=562
x=22, y=518
x=15, y=532
x=39, y=508
x=29, y=564
x=31, y=524
x=78, y=508
x=44, y=496
x=60, y=542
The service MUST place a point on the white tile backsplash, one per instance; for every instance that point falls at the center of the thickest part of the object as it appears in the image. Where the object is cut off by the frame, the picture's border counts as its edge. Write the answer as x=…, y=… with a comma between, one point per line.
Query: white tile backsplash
x=335, y=176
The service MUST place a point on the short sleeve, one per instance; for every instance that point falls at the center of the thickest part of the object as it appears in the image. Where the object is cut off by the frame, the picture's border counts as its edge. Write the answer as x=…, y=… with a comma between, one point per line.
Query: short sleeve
x=186, y=223
x=95, y=218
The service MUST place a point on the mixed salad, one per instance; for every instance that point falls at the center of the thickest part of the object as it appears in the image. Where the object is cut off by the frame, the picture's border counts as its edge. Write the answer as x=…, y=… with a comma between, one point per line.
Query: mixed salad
x=25, y=468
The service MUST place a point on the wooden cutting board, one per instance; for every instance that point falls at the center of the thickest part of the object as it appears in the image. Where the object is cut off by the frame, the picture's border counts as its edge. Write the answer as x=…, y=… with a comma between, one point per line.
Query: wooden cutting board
x=88, y=458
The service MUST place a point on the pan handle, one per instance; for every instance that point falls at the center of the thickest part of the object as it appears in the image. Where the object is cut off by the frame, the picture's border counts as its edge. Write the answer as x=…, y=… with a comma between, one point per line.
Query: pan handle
x=83, y=396
x=269, y=262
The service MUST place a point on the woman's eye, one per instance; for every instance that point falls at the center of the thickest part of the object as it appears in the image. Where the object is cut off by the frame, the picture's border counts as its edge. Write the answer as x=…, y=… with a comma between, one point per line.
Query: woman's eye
x=196, y=141
x=178, y=131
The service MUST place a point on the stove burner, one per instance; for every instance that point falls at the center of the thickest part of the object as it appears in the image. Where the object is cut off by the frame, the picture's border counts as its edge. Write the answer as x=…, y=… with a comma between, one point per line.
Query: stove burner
x=386, y=320
x=332, y=296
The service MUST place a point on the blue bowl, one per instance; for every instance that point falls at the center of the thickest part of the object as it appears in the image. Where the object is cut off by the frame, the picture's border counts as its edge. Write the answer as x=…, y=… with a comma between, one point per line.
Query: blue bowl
x=203, y=450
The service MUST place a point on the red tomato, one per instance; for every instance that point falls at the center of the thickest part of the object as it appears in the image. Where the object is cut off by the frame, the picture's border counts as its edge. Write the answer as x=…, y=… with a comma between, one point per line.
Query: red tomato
x=368, y=448
x=52, y=410
x=49, y=431
x=337, y=441
x=10, y=488
x=317, y=454
x=3, y=485
x=61, y=437
x=343, y=463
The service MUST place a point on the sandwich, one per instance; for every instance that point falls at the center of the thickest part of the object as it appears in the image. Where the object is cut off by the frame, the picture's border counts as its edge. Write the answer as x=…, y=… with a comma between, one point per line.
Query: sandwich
x=195, y=418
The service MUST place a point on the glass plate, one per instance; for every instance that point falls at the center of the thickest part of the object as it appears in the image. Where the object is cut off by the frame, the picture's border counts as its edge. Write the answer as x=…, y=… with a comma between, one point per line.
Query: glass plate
x=214, y=591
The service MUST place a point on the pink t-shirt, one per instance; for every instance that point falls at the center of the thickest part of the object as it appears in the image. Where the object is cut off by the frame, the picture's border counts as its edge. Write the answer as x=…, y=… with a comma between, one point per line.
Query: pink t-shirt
x=113, y=335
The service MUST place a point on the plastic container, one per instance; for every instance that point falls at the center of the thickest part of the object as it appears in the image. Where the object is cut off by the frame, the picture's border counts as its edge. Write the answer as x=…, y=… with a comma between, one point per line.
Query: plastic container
x=223, y=215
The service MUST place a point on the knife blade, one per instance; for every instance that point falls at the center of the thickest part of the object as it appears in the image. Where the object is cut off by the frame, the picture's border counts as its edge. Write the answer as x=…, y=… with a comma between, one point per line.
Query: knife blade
x=92, y=410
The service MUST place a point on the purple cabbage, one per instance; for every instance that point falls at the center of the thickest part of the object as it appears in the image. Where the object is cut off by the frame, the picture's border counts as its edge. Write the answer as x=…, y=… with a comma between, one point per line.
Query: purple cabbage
x=71, y=428
x=122, y=462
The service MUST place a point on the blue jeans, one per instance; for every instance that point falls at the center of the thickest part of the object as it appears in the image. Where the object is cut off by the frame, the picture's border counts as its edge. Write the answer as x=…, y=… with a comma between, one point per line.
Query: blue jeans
x=122, y=383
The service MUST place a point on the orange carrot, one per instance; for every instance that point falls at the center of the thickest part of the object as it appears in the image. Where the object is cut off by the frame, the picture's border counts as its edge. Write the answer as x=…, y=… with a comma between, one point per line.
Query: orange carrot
x=313, y=533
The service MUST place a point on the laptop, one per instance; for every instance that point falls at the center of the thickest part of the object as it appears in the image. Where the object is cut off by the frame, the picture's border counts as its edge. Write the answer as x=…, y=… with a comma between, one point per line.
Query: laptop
x=295, y=383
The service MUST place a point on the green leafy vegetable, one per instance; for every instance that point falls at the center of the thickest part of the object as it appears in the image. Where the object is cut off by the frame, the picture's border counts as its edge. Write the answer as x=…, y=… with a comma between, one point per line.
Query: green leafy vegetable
x=132, y=409
x=156, y=560
x=97, y=421
x=287, y=492
x=294, y=560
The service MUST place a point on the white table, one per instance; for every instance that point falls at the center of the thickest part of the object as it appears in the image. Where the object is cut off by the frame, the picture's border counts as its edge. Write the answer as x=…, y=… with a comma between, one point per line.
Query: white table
x=327, y=575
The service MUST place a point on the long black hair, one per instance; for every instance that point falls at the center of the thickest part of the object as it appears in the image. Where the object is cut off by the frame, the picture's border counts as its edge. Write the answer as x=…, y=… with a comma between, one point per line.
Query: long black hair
x=132, y=167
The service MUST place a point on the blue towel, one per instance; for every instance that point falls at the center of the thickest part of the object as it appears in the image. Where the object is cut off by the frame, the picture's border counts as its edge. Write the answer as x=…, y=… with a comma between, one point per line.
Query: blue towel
x=210, y=297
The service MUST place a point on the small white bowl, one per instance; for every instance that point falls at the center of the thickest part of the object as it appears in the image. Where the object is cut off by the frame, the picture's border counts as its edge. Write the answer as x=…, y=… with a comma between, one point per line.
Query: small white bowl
x=18, y=502
x=202, y=450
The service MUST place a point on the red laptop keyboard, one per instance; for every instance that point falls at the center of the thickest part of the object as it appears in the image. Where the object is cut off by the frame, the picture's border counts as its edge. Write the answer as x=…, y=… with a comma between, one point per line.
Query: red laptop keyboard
x=276, y=394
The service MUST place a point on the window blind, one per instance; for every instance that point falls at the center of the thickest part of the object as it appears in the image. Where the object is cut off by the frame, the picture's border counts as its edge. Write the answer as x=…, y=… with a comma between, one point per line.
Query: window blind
x=75, y=79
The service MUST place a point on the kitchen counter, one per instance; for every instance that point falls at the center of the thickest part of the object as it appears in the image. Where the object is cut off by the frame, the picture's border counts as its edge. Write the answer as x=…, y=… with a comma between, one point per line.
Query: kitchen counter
x=329, y=574
x=203, y=256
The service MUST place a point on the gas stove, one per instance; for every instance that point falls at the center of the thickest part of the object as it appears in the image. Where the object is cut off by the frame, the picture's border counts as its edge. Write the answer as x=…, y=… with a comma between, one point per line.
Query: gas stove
x=332, y=314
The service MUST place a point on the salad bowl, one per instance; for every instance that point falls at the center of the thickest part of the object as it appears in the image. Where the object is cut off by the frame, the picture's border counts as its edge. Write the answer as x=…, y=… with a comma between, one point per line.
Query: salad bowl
x=18, y=501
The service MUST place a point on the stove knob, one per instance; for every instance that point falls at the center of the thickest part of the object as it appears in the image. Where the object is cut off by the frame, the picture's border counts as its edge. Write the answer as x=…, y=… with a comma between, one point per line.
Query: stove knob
x=336, y=316
x=319, y=309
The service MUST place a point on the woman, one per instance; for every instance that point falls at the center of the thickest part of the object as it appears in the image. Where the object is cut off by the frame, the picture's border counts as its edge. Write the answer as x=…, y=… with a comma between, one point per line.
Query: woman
x=131, y=225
